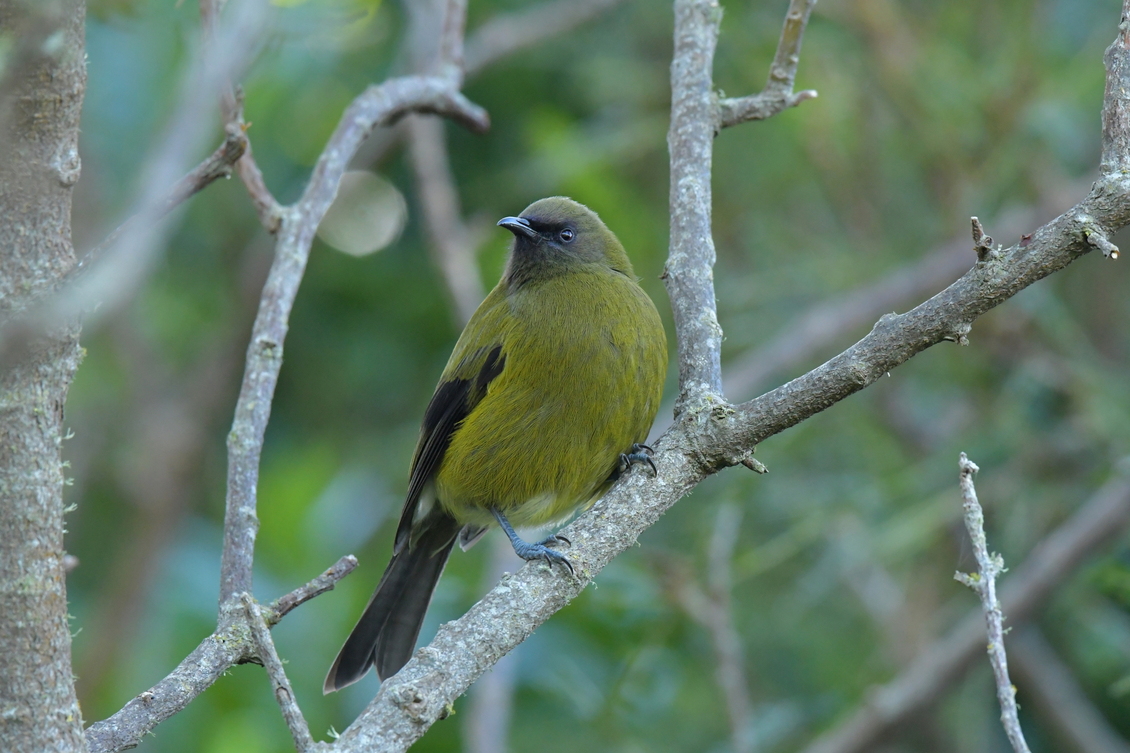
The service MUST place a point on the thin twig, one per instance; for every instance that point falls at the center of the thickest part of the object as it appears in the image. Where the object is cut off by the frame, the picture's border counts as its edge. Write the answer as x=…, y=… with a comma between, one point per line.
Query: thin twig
x=18, y=332
x=267, y=208
x=284, y=695
x=282, y=606
x=379, y=104
x=984, y=584
x=229, y=645
x=215, y=166
x=1101, y=519
x=778, y=93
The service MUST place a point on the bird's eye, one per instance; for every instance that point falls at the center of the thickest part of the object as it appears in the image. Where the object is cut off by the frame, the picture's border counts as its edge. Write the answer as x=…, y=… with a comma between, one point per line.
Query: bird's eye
x=566, y=234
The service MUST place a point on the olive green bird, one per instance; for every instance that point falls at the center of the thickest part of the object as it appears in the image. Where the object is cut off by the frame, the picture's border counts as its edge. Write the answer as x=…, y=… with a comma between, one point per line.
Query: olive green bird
x=545, y=400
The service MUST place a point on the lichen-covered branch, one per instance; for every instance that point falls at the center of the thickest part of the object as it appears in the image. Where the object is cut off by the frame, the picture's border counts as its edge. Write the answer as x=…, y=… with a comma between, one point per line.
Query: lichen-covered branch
x=689, y=273
x=984, y=584
x=1101, y=519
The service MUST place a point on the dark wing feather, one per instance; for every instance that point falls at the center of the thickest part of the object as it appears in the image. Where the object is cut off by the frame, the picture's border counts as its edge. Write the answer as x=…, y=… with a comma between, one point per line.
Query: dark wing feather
x=453, y=400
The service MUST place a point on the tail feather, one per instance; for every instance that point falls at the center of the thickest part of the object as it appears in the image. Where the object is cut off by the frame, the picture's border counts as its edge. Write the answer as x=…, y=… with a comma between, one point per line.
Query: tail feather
x=387, y=631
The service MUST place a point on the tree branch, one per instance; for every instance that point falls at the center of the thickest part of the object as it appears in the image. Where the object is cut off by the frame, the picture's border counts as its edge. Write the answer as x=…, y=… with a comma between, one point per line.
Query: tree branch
x=778, y=93
x=689, y=274
x=283, y=605
x=985, y=586
x=231, y=644
x=267, y=208
x=41, y=96
x=269, y=657
x=378, y=105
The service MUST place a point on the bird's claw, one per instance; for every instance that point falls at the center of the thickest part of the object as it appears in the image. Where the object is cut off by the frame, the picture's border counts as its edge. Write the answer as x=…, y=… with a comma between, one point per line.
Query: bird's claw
x=640, y=453
x=538, y=551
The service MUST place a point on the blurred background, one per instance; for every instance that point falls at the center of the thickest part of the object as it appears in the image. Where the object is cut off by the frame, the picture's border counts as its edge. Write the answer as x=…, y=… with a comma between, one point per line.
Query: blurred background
x=816, y=582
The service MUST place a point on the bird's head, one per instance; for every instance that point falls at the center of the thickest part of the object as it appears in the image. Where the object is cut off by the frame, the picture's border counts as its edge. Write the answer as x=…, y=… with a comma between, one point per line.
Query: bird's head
x=556, y=235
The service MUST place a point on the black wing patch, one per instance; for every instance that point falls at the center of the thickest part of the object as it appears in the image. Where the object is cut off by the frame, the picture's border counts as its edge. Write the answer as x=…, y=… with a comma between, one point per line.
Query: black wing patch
x=452, y=402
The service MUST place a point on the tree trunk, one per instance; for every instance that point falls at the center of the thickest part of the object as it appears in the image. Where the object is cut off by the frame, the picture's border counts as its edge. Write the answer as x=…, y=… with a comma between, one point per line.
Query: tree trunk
x=42, y=81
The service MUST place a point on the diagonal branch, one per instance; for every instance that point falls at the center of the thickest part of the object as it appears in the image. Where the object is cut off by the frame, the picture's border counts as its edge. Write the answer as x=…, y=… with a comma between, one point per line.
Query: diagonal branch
x=266, y=206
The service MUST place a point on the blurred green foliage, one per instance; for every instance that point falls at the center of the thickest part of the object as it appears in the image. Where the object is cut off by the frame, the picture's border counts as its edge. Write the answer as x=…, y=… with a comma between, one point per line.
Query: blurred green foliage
x=928, y=113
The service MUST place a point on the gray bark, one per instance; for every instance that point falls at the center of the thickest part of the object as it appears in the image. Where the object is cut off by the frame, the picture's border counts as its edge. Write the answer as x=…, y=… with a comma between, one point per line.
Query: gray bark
x=40, y=101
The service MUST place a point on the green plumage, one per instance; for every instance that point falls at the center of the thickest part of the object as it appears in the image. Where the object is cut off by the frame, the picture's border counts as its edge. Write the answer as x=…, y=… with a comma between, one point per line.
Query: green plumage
x=559, y=371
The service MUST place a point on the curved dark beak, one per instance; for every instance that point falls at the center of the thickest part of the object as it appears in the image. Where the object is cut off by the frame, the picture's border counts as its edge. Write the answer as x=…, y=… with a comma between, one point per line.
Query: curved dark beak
x=518, y=226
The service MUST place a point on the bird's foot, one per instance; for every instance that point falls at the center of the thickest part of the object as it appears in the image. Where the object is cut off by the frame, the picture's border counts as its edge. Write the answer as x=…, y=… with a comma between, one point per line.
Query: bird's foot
x=640, y=453
x=539, y=551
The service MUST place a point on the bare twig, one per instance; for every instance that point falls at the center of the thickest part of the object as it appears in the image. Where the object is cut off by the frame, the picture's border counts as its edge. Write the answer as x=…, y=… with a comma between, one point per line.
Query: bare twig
x=284, y=695
x=215, y=655
x=1098, y=239
x=1100, y=520
x=217, y=165
x=282, y=606
x=984, y=584
x=379, y=104
x=982, y=241
x=229, y=645
x=778, y=93
x=267, y=208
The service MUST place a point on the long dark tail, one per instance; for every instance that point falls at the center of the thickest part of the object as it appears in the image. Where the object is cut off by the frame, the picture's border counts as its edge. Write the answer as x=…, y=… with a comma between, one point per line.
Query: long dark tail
x=386, y=634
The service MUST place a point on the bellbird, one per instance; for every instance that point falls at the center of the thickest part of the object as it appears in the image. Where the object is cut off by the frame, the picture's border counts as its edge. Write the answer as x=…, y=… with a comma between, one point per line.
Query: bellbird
x=553, y=384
